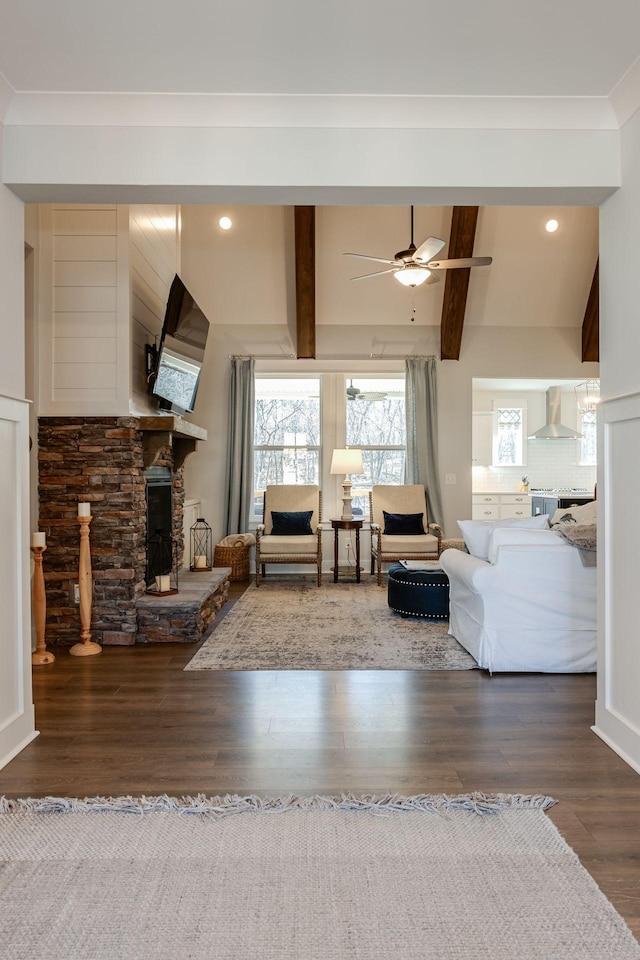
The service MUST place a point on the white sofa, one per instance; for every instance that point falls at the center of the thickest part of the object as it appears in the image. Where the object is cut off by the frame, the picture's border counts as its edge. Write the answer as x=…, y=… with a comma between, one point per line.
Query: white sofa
x=530, y=607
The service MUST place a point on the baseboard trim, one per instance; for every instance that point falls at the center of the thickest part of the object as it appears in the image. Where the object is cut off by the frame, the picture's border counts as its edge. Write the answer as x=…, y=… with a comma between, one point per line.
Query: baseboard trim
x=616, y=749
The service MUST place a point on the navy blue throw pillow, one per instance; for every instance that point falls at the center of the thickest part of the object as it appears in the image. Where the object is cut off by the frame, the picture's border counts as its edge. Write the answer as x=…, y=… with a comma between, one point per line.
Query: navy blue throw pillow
x=403, y=524
x=291, y=524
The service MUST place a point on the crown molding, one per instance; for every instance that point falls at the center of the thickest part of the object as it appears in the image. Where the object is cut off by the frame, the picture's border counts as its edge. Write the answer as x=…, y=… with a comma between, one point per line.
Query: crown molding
x=625, y=96
x=332, y=111
x=7, y=94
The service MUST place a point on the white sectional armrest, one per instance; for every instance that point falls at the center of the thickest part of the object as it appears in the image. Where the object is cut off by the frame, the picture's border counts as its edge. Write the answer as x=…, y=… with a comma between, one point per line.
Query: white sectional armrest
x=465, y=568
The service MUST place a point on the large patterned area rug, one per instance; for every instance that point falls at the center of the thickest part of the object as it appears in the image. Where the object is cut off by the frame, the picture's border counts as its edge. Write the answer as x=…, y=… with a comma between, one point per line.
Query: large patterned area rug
x=421, y=878
x=299, y=626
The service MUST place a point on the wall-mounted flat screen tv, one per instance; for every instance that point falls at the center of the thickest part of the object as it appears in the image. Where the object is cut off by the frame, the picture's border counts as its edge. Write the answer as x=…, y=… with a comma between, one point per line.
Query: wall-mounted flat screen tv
x=181, y=352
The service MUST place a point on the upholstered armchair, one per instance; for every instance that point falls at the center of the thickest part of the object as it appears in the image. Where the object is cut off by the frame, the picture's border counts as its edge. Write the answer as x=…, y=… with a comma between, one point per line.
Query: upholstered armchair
x=289, y=546
x=387, y=547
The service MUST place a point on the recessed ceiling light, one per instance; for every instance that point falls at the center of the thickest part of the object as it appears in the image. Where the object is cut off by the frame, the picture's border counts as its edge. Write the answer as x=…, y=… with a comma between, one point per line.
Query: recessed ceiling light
x=225, y=223
x=551, y=226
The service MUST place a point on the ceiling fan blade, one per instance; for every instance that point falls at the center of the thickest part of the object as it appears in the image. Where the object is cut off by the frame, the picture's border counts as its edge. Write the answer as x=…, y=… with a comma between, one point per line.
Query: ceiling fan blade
x=434, y=278
x=363, y=256
x=429, y=249
x=380, y=273
x=462, y=262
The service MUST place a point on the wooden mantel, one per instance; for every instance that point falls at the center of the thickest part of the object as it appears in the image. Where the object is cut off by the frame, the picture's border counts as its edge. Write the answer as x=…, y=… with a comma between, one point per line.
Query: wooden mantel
x=169, y=430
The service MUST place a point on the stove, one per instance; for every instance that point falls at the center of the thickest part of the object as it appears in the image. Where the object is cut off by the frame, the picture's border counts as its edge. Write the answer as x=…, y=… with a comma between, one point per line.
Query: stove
x=560, y=491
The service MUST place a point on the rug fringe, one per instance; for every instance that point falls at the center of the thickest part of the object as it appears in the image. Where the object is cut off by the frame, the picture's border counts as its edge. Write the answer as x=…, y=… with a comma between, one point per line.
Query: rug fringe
x=478, y=804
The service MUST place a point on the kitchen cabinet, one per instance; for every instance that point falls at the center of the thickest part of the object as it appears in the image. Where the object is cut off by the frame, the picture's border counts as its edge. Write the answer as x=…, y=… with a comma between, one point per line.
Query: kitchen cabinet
x=500, y=506
x=481, y=438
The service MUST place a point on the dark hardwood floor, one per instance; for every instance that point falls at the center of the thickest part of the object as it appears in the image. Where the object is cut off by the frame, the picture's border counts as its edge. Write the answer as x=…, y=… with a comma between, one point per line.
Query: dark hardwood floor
x=130, y=721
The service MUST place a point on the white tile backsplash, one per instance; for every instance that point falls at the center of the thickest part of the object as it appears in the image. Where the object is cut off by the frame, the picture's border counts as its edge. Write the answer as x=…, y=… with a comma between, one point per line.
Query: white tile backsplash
x=550, y=463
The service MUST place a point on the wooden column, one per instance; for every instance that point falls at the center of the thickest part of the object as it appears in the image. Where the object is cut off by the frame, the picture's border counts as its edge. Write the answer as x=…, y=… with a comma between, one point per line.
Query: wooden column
x=463, y=233
x=305, y=253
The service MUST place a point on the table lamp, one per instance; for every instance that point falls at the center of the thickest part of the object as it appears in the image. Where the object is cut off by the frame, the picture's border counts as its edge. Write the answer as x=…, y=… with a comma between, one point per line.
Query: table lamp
x=347, y=462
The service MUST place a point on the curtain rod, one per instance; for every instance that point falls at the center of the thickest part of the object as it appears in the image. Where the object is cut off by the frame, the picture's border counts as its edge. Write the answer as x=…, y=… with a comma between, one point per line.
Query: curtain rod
x=372, y=356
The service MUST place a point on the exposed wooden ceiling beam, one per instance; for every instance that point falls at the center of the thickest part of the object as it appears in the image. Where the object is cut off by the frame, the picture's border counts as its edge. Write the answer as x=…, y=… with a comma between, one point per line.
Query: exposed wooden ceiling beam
x=463, y=232
x=305, y=253
x=591, y=322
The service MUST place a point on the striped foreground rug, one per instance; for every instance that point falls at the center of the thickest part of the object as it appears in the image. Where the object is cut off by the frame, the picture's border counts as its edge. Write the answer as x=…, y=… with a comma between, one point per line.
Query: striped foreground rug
x=420, y=878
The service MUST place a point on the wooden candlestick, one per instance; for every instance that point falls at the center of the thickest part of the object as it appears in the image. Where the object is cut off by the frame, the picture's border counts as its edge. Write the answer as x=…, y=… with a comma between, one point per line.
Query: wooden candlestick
x=87, y=647
x=41, y=654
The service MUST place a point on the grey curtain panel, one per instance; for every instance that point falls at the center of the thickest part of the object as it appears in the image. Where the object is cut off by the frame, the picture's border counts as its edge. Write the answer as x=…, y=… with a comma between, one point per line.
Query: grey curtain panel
x=239, y=481
x=422, y=431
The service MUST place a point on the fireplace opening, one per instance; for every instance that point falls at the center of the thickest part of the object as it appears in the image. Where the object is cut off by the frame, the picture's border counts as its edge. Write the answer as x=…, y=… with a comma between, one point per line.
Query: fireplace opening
x=159, y=515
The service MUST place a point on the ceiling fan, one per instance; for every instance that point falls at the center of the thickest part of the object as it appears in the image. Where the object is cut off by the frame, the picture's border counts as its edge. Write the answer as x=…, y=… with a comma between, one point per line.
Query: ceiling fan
x=415, y=266
x=355, y=393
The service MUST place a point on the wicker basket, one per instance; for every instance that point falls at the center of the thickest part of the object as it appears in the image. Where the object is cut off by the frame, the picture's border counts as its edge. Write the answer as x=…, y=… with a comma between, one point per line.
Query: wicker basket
x=235, y=557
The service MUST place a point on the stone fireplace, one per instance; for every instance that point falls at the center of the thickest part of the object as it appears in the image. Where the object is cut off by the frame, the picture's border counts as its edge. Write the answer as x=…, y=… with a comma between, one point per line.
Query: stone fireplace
x=113, y=463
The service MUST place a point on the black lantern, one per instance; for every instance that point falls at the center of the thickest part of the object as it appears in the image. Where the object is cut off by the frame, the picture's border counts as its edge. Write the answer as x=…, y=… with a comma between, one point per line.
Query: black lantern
x=201, y=546
x=162, y=564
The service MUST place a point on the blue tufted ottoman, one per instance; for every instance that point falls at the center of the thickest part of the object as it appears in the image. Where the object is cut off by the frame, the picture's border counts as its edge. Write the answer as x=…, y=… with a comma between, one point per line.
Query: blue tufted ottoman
x=418, y=593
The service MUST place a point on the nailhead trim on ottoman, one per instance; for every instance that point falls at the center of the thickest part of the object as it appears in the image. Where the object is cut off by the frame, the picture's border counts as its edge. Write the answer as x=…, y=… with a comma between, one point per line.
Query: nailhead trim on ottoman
x=418, y=593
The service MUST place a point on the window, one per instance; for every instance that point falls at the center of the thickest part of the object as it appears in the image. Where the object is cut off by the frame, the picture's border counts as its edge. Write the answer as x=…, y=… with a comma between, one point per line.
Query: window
x=287, y=433
x=300, y=420
x=509, y=434
x=376, y=423
x=588, y=445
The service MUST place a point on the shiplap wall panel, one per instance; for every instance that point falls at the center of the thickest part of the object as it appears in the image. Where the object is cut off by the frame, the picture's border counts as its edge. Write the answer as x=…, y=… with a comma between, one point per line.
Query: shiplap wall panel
x=85, y=273
x=86, y=350
x=161, y=225
x=79, y=299
x=84, y=324
x=79, y=376
x=151, y=246
x=73, y=397
x=146, y=317
x=154, y=299
x=89, y=352
x=85, y=221
x=84, y=248
x=154, y=244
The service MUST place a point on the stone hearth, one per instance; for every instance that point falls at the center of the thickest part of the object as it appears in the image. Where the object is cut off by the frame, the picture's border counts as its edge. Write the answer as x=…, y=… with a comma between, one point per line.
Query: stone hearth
x=103, y=460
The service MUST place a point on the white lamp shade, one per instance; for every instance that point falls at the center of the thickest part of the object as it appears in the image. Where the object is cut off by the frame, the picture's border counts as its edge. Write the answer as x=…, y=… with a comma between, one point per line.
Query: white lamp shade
x=347, y=461
x=412, y=276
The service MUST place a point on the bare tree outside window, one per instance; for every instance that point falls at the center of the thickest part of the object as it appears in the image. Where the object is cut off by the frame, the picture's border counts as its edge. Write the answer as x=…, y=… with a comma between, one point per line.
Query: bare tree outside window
x=286, y=434
x=376, y=423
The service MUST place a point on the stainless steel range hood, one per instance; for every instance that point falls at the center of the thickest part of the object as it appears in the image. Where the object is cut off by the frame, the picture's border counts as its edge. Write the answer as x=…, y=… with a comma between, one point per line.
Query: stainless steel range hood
x=553, y=429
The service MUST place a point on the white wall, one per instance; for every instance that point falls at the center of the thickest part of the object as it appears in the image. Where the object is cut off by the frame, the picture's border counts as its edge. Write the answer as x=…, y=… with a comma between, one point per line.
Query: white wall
x=154, y=235
x=17, y=725
x=618, y=705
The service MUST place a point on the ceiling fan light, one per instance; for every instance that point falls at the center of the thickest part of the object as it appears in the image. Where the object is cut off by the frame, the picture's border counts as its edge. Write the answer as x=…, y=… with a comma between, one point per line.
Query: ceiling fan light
x=412, y=276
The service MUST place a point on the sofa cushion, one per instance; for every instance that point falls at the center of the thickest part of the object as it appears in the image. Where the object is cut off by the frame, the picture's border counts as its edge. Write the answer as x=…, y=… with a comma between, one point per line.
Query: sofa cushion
x=291, y=524
x=405, y=545
x=288, y=546
x=476, y=533
x=587, y=513
x=514, y=536
x=403, y=524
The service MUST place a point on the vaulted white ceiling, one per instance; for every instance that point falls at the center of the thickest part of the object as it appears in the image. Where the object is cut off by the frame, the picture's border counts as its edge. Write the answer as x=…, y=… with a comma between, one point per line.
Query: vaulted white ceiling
x=572, y=48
